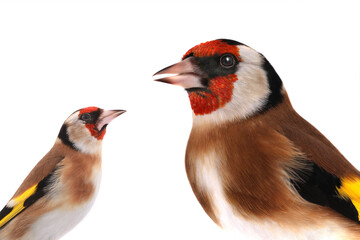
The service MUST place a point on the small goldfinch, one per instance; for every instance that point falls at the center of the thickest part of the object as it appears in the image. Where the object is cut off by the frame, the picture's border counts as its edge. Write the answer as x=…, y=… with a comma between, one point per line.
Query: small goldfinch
x=257, y=167
x=62, y=187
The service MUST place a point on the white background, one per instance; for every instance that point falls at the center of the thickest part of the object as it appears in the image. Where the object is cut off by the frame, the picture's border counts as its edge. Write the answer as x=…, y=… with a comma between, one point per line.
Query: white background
x=57, y=57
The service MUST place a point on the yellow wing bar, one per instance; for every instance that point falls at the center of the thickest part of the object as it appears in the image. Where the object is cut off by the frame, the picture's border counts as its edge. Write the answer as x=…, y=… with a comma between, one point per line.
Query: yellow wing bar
x=16, y=205
x=350, y=188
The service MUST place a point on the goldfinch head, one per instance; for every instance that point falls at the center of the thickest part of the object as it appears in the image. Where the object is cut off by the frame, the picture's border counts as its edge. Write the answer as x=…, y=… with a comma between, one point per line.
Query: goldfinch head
x=85, y=128
x=225, y=80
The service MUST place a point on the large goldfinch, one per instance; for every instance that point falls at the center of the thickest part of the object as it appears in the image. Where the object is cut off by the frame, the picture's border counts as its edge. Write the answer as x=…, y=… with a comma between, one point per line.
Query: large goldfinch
x=62, y=187
x=256, y=166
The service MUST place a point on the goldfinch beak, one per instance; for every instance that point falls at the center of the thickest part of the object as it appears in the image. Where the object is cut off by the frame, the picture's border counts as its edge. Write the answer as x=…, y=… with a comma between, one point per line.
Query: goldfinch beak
x=106, y=117
x=183, y=74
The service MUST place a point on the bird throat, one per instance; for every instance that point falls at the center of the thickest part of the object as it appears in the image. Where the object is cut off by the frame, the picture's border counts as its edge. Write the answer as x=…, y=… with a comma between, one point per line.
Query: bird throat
x=220, y=92
x=99, y=134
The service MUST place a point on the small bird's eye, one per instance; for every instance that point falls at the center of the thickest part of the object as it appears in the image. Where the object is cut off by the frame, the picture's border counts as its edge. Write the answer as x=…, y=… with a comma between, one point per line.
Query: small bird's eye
x=85, y=117
x=227, y=60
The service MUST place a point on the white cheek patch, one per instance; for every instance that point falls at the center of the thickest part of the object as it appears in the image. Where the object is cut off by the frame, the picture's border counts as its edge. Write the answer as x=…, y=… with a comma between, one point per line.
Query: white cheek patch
x=251, y=91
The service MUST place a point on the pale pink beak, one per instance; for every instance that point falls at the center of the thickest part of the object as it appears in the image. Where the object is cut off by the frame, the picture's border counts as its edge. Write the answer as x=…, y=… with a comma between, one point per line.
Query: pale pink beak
x=106, y=117
x=183, y=74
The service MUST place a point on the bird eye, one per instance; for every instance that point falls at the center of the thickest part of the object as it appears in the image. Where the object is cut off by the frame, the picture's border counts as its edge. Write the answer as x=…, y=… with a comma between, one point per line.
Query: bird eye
x=85, y=117
x=227, y=60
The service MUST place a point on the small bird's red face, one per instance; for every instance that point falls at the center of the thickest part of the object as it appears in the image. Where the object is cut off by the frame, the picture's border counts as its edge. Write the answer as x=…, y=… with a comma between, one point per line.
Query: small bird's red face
x=90, y=116
x=85, y=128
x=225, y=80
x=208, y=74
x=97, y=119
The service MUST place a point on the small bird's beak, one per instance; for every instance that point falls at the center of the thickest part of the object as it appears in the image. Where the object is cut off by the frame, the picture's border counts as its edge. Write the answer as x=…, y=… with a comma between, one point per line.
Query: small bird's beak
x=106, y=117
x=183, y=74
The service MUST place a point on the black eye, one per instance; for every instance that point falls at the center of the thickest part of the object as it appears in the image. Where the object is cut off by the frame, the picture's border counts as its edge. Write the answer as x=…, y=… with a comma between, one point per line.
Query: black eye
x=85, y=117
x=227, y=60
